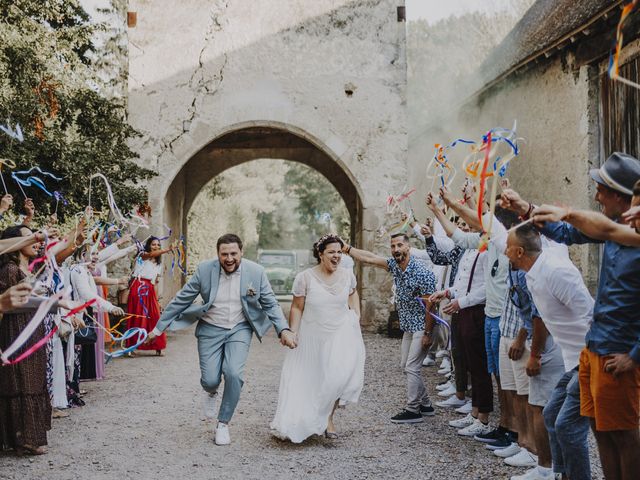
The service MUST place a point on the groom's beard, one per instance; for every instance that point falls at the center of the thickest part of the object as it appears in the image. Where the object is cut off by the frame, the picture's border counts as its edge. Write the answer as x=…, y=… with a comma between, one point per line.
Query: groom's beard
x=234, y=267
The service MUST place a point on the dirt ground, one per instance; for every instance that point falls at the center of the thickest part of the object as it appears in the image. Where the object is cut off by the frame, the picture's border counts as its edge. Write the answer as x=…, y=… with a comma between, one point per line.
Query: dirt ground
x=144, y=421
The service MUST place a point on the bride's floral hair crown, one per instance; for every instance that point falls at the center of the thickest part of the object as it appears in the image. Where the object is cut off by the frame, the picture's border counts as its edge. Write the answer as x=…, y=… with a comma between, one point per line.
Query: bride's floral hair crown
x=322, y=243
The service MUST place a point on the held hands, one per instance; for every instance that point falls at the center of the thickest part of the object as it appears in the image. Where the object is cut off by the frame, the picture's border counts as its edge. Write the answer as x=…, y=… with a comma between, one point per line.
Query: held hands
x=431, y=203
x=632, y=217
x=288, y=339
x=446, y=195
x=118, y=312
x=29, y=207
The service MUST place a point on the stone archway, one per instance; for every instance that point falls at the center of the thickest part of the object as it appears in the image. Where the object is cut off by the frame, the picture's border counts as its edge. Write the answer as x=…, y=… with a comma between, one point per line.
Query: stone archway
x=241, y=143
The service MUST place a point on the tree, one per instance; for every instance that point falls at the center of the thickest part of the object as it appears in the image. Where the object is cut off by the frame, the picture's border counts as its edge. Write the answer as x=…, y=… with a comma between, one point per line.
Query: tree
x=51, y=86
x=320, y=207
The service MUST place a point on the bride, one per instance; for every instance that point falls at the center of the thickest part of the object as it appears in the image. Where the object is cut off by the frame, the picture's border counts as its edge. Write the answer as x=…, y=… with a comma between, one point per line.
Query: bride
x=327, y=367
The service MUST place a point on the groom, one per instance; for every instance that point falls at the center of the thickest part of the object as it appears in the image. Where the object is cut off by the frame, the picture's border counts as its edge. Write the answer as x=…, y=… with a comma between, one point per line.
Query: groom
x=237, y=301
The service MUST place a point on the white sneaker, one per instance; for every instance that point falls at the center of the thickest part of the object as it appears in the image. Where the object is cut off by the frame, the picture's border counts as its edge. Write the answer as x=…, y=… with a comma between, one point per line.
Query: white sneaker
x=445, y=366
x=222, y=434
x=463, y=422
x=444, y=386
x=452, y=402
x=447, y=392
x=442, y=353
x=428, y=361
x=510, y=451
x=209, y=404
x=465, y=409
x=476, y=428
x=524, y=458
x=534, y=474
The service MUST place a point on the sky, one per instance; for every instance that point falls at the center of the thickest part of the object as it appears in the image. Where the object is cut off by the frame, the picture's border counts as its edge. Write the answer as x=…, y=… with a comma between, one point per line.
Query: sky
x=435, y=10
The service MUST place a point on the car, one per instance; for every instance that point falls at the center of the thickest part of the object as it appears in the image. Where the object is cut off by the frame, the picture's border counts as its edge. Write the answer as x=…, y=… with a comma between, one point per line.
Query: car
x=281, y=267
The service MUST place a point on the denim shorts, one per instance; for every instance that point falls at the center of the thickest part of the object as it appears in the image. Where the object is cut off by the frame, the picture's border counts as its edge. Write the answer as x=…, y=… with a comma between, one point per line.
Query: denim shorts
x=492, y=343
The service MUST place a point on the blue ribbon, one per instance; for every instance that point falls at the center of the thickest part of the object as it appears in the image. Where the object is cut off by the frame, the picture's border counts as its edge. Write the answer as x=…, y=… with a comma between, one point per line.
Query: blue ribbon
x=32, y=181
x=132, y=332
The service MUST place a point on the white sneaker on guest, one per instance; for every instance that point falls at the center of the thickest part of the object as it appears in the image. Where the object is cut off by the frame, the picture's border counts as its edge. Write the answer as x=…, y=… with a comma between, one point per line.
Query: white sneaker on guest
x=209, y=404
x=447, y=392
x=535, y=474
x=222, y=434
x=445, y=366
x=428, y=361
x=452, y=402
x=463, y=422
x=476, y=428
x=507, y=452
x=465, y=409
x=444, y=386
x=442, y=353
x=524, y=458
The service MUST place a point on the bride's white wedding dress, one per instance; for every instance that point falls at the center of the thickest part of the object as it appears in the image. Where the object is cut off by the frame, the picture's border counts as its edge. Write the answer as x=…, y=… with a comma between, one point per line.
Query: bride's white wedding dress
x=327, y=365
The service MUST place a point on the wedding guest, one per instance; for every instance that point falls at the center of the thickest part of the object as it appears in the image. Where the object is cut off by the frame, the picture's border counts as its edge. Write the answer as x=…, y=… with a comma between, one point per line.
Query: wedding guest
x=411, y=280
x=143, y=298
x=25, y=409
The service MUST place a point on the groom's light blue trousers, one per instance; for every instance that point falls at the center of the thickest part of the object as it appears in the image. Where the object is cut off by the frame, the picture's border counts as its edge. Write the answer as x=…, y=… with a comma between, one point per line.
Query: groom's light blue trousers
x=223, y=352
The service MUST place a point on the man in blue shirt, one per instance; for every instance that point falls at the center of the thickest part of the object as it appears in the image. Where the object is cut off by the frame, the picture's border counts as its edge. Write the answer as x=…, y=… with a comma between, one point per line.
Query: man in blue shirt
x=610, y=364
x=412, y=280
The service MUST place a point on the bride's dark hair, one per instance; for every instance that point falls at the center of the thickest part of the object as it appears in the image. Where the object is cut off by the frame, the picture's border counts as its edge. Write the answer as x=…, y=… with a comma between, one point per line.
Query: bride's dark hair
x=322, y=243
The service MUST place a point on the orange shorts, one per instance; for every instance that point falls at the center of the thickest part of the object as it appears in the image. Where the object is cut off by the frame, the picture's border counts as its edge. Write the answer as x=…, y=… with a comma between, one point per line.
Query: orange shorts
x=614, y=402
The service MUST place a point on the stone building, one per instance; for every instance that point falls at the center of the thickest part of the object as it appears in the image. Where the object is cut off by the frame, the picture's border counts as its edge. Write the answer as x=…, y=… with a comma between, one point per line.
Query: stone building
x=213, y=84
x=549, y=74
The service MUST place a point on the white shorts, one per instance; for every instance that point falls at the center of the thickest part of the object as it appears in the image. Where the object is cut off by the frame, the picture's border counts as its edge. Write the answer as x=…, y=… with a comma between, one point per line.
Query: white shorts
x=513, y=374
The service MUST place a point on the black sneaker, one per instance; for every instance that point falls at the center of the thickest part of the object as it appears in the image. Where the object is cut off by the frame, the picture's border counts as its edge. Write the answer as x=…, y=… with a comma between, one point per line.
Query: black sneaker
x=492, y=436
x=407, y=417
x=503, y=442
x=427, y=411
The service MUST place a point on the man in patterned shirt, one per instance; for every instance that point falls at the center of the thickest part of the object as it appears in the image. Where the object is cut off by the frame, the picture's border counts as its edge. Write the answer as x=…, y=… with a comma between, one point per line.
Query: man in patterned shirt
x=412, y=280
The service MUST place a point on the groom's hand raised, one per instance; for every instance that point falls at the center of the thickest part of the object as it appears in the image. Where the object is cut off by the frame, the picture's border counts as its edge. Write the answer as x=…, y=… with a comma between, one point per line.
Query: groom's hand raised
x=289, y=339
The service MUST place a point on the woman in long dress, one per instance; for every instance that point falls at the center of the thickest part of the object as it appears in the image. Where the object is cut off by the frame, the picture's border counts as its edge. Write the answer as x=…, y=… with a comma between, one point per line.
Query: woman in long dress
x=143, y=299
x=25, y=408
x=327, y=367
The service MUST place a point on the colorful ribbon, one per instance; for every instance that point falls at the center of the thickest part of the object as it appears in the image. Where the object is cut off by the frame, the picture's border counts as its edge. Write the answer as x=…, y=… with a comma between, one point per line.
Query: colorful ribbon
x=33, y=181
x=614, y=58
x=15, y=134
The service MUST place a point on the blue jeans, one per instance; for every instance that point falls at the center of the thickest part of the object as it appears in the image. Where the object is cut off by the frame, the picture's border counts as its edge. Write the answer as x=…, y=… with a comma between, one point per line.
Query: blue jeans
x=492, y=344
x=567, y=429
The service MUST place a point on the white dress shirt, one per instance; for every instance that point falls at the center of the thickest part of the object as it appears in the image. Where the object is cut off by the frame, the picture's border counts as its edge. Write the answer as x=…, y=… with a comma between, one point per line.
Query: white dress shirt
x=564, y=303
x=226, y=310
x=477, y=294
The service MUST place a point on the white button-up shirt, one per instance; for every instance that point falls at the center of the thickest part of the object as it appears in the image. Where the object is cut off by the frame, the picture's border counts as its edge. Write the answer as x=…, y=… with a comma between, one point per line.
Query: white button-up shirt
x=226, y=309
x=563, y=301
x=477, y=294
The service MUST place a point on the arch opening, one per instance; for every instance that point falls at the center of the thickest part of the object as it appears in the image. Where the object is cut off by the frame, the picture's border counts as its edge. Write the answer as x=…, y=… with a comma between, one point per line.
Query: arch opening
x=243, y=144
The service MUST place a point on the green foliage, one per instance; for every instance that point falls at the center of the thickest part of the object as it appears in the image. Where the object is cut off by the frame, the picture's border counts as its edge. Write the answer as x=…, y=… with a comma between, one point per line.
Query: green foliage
x=50, y=73
x=317, y=198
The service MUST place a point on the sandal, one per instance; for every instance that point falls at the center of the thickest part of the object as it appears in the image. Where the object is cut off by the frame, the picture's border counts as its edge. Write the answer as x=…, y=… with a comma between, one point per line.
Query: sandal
x=331, y=435
x=29, y=450
x=58, y=413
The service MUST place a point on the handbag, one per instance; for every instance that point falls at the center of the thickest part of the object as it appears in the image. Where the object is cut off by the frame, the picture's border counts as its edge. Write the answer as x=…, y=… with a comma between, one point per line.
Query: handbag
x=88, y=334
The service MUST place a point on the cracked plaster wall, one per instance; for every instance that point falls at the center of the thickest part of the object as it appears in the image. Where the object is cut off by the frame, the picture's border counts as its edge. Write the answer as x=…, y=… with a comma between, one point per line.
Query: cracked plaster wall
x=333, y=70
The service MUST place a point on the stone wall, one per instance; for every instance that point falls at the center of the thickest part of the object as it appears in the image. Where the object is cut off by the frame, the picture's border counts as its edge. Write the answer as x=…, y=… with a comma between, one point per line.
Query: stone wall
x=556, y=108
x=332, y=72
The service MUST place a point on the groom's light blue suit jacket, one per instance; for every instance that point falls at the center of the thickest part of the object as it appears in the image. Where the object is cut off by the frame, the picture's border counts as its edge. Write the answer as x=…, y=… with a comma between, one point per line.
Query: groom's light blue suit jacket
x=259, y=303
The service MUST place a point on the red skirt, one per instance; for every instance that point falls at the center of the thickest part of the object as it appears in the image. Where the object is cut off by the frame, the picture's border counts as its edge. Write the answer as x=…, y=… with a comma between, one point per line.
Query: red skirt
x=143, y=302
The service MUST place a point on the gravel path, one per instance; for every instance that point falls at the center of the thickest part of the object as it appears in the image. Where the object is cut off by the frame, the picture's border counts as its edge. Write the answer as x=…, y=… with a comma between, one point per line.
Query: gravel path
x=144, y=422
